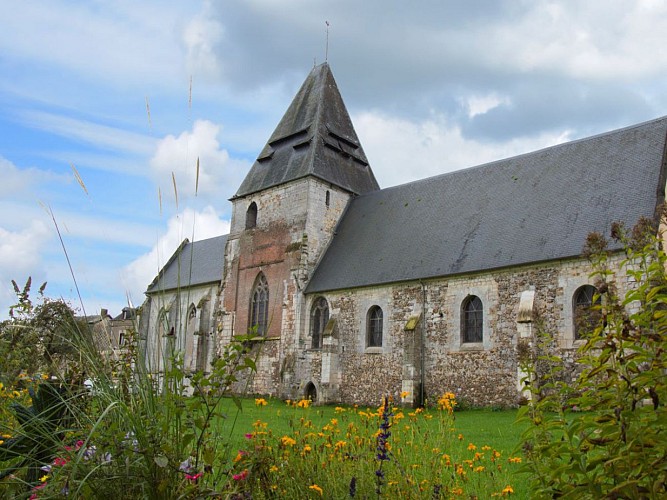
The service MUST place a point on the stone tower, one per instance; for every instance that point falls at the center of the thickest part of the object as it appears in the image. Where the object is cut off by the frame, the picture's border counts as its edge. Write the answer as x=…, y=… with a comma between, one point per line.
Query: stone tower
x=283, y=217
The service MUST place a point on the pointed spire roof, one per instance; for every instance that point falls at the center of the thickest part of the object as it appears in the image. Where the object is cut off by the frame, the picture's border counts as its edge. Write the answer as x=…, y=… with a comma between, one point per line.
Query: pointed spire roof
x=314, y=138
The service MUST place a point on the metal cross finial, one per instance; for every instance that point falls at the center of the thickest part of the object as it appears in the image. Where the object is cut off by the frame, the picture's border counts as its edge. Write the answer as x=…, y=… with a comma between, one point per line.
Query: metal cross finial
x=326, y=52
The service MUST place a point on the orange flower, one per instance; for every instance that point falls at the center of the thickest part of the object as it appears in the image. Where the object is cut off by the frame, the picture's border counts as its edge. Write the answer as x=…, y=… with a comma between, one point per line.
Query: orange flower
x=508, y=490
x=471, y=447
x=287, y=441
x=514, y=460
x=316, y=488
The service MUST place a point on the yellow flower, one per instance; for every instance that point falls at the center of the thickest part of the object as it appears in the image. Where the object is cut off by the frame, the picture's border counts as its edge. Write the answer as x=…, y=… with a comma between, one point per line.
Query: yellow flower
x=471, y=447
x=316, y=488
x=260, y=402
x=340, y=444
x=460, y=437
x=339, y=409
x=1, y=442
x=479, y=468
x=304, y=403
x=287, y=441
x=486, y=447
x=44, y=478
x=457, y=491
x=508, y=490
x=45, y=376
x=404, y=394
x=514, y=460
x=273, y=469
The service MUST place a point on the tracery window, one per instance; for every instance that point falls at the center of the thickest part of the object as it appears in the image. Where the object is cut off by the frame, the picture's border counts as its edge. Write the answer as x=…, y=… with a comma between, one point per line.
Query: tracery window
x=319, y=317
x=584, y=314
x=374, y=327
x=259, y=307
x=472, y=316
x=251, y=216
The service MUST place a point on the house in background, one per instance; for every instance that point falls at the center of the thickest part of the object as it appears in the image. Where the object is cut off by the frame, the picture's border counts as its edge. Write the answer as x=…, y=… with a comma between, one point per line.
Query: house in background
x=110, y=333
x=420, y=288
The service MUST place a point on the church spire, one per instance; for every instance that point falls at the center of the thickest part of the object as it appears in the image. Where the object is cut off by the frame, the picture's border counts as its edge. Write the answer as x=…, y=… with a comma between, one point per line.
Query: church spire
x=316, y=138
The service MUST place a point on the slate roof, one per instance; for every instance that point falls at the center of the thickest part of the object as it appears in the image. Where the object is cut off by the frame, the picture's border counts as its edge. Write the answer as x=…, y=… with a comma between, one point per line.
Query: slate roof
x=207, y=258
x=314, y=138
x=531, y=208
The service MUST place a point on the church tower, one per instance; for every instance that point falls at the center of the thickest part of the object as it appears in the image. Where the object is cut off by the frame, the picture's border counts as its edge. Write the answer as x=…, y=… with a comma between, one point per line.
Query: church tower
x=283, y=217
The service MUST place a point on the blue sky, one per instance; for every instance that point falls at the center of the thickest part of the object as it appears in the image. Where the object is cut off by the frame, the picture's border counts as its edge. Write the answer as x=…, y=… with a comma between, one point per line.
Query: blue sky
x=129, y=93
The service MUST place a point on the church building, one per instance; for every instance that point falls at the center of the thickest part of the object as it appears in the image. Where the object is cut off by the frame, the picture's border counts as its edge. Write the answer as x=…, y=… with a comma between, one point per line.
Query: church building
x=417, y=289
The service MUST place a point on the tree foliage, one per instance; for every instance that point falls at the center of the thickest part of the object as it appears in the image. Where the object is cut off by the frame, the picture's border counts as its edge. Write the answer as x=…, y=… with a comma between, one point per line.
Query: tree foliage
x=605, y=436
x=37, y=337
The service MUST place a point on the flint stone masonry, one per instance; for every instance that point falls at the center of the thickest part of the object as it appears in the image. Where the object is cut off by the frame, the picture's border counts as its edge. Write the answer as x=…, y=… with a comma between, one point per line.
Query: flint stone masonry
x=483, y=374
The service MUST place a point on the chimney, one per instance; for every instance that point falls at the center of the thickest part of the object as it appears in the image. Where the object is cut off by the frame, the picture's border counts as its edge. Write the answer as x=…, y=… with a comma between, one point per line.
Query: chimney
x=104, y=313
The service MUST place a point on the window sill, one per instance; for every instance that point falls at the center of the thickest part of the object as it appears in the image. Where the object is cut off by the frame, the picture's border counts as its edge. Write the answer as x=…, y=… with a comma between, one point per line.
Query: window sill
x=472, y=346
x=374, y=350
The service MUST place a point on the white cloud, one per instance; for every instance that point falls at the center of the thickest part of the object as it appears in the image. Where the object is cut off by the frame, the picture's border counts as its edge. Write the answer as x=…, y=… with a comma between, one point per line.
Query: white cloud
x=401, y=151
x=480, y=104
x=102, y=136
x=200, y=37
x=20, y=257
x=190, y=224
x=591, y=40
x=16, y=181
x=219, y=174
x=123, y=41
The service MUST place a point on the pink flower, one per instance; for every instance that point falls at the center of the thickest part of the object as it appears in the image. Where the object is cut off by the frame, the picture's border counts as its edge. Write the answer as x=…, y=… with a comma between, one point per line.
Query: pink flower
x=79, y=444
x=194, y=477
x=34, y=488
x=59, y=461
x=241, y=476
x=248, y=436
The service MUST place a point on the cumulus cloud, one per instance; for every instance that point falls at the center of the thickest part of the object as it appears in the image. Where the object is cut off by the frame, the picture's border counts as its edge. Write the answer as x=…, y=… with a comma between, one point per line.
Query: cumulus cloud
x=200, y=36
x=190, y=224
x=219, y=173
x=16, y=181
x=21, y=256
x=401, y=150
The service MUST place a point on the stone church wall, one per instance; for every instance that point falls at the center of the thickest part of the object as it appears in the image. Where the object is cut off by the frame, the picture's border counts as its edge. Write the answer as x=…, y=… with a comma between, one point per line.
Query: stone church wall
x=167, y=327
x=484, y=374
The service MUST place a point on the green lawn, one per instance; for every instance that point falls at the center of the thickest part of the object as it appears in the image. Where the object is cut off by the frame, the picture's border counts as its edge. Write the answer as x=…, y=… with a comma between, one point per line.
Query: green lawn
x=418, y=440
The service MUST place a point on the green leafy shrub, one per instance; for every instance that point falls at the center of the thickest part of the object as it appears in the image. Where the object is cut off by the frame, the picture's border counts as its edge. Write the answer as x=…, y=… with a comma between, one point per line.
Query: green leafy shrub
x=605, y=435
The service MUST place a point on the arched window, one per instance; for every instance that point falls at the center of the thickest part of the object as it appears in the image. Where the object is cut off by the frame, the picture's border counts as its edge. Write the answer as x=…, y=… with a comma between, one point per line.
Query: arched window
x=251, y=216
x=164, y=325
x=319, y=317
x=585, y=316
x=471, y=320
x=374, y=327
x=327, y=198
x=259, y=307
